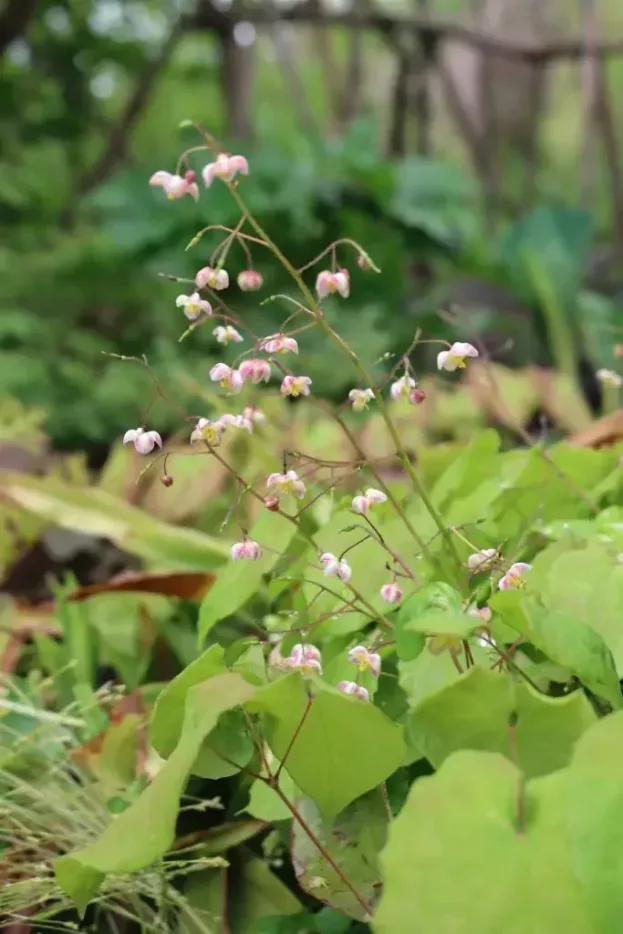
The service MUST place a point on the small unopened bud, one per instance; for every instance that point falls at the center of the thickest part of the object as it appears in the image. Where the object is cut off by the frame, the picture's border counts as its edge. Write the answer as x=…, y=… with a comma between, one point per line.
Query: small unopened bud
x=364, y=262
x=250, y=280
x=166, y=480
x=417, y=397
x=271, y=502
x=190, y=176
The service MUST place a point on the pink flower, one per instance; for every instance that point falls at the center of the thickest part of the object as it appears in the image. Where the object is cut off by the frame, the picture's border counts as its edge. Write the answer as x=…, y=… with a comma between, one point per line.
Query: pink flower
x=402, y=388
x=362, y=504
x=143, y=441
x=217, y=279
x=354, y=690
x=193, y=305
x=304, y=658
x=278, y=343
x=208, y=432
x=284, y=483
x=365, y=660
x=295, y=386
x=234, y=421
x=482, y=560
x=483, y=613
x=225, y=167
x=454, y=359
x=360, y=398
x=417, y=396
x=514, y=576
x=250, y=280
x=255, y=371
x=330, y=283
x=226, y=334
x=335, y=567
x=391, y=593
x=251, y=414
x=246, y=549
x=176, y=186
x=229, y=379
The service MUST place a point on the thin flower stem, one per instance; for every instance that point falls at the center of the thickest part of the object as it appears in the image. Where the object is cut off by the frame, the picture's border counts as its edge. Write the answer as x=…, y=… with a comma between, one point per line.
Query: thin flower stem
x=328, y=330
x=344, y=241
x=322, y=850
x=295, y=736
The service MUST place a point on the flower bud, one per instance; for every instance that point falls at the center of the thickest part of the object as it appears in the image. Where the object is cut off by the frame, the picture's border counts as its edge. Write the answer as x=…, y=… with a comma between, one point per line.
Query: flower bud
x=166, y=480
x=250, y=280
x=272, y=503
x=391, y=593
x=417, y=397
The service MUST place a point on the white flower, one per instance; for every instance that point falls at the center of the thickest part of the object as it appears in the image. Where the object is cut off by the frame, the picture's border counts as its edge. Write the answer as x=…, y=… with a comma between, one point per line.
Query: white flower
x=610, y=379
x=193, y=305
x=228, y=379
x=176, y=186
x=284, y=483
x=295, y=386
x=251, y=414
x=330, y=283
x=362, y=504
x=217, y=279
x=225, y=167
x=235, y=421
x=482, y=560
x=278, y=343
x=391, y=593
x=225, y=335
x=455, y=358
x=246, y=549
x=354, y=690
x=334, y=567
x=208, y=432
x=360, y=398
x=365, y=660
x=402, y=388
x=143, y=441
x=304, y=658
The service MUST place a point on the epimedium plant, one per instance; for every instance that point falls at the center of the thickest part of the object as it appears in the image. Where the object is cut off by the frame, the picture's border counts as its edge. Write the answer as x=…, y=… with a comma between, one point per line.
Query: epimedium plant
x=428, y=695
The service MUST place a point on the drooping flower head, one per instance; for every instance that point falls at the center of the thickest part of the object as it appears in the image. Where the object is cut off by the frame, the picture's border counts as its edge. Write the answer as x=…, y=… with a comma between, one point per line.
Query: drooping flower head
x=514, y=577
x=216, y=279
x=295, y=386
x=335, y=567
x=332, y=283
x=256, y=371
x=365, y=660
x=251, y=414
x=482, y=560
x=225, y=167
x=609, y=378
x=207, y=432
x=286, y=483
x=456, y=357
x=226, y=334
x=250, y=280
x=354, y=690
x=304, y=658
x=143, y=441
x=392, y=592
x=363, y=503
x=229, y=379
x=235, y=421
x=247, y=549
x=278, y=343
x=402, y=388
x=176, y=186
x=360, y=398
x=193, y=305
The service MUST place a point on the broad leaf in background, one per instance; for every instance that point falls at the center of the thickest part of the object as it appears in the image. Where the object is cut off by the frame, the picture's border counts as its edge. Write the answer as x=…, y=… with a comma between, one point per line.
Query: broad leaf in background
x=343, y=749
x=144, y=832
x=475, y=712
x=475, y=850
x=354, y=840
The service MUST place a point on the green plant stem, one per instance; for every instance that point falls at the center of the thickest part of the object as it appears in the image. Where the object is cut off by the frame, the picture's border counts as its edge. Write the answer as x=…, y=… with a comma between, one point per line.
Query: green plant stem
x=328, y=330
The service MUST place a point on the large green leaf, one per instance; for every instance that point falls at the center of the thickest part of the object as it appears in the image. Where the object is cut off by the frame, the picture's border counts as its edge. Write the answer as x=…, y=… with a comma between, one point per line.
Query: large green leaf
x=144, y=832
x=594, y=810
x=474, y=851
x=237, y=582
x=345, y=747
x=354, y=840
x=474, y=713
x=96, y=512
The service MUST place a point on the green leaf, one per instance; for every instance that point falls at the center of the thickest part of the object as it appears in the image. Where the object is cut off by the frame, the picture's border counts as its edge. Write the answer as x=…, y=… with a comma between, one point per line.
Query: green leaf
x=264, y=802
x=144, y=832
x=258, y=894
x=353, y=840
x=593, y=796
x=465, y=473
x=474, y=713
x=95, y=512
x=344, y=748
x=467, y=855
x=435, y=622
x=237, y=582
x=434, y=597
